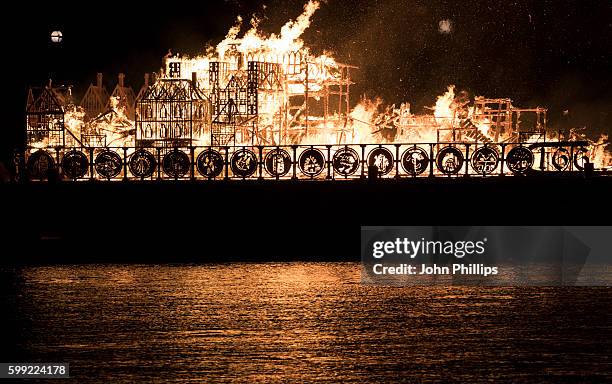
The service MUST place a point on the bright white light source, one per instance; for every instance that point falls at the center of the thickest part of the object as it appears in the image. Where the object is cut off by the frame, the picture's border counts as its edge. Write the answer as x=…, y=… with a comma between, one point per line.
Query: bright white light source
x=56, y=36
x=445, y=26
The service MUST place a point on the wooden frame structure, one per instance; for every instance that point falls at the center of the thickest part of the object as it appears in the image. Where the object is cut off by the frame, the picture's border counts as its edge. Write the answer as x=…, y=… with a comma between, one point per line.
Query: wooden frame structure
x=95, y=100
x=264, y=99
x=171, y=113
x=45, y=116
x=125, y=96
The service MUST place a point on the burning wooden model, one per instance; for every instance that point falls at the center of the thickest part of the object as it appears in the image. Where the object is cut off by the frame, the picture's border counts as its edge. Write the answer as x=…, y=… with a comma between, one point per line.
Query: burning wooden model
x=266, y=107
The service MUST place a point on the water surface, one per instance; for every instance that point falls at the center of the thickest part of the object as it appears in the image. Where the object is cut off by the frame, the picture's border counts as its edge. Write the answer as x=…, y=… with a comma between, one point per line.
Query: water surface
x=297, y=322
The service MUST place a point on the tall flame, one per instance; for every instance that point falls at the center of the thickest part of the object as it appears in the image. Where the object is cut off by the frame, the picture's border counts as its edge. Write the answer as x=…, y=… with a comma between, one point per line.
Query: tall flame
x=253, y=41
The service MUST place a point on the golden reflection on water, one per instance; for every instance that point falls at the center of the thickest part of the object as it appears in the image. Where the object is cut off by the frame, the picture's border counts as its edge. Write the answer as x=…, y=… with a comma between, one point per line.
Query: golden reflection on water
x=297, y=322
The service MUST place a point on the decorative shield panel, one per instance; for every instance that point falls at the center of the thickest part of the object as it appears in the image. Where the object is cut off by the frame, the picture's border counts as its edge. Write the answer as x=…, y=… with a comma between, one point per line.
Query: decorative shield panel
x=485, y=160
x=345, y=161
x=39, y=164
x=520, y=159
x=449, y=160
x=108, y=164
x=75, y=164
x=142, y=163
x=176, y=164
x=243, y=163
x=277, y=162
x=311, y=162
x=415, y=160
x=210, y=163
x=382, y=158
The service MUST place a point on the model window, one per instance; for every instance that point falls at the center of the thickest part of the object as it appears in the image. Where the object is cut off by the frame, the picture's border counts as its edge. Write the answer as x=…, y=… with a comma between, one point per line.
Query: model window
x=178, y=112
x=174, y=70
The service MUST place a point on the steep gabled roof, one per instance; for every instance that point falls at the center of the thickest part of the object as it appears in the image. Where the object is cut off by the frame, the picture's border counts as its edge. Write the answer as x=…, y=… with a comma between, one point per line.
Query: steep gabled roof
x=172, y=90
x=45, y=100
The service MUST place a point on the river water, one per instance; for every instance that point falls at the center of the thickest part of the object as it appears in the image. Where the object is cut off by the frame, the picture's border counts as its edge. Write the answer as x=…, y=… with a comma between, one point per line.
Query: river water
x=297, y=322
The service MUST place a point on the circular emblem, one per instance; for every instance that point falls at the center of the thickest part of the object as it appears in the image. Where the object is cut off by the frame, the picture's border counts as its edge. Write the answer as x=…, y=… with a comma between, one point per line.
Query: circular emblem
x=244, y=163
x=210, y=163
x=142, y=163
x=345, y=161
x=108, y=164
x=415, y=160
x=277, y=162
x=561, y=159
x=520, y=159
x=39, y=165
x=75, y=164
x=449, y=160
x=485, y=160
x=381, y=158
x=311, y=162
x=176, y=164
x=581, y=157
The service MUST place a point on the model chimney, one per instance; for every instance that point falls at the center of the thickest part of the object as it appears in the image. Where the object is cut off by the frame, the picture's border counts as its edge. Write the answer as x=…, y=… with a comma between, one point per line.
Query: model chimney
x=194, y=79
x=146, y=80
x=99, y=80
x=121, y=77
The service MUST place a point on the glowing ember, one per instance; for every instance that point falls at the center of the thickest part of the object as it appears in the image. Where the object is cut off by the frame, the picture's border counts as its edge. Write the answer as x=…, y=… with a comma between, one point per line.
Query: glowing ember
x=445, y=26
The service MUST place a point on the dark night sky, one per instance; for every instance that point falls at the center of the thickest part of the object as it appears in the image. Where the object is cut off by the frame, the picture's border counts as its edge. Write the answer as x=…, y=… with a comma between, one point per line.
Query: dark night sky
x=553, y=53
